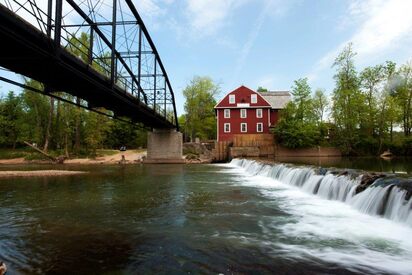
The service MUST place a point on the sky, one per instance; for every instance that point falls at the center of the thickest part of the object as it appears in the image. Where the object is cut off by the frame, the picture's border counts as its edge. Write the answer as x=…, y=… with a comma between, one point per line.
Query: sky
x=271, y=43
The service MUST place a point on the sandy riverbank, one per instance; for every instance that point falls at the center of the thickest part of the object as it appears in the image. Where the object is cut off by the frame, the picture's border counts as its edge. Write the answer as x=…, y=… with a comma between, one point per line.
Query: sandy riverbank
x=39, y=173
x=131, y=156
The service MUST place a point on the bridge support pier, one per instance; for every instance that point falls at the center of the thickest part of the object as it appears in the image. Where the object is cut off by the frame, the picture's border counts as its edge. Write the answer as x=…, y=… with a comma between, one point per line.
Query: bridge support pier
x=164, y=146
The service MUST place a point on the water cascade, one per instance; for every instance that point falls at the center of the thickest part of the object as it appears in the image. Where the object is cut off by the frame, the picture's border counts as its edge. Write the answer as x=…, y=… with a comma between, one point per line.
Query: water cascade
x=385, y=197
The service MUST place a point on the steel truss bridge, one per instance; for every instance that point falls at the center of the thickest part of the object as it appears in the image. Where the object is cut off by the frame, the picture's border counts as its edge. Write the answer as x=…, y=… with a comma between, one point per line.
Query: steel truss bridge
x=96, y=50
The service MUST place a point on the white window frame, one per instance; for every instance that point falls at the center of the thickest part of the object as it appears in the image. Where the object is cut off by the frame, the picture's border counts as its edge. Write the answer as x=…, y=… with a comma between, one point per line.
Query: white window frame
x=232, y=99
x=226, y=113
x=257, y=113
x=253, y=98
x=243, y=111
x=241, y=127
x=224, y=128
x=261, y=127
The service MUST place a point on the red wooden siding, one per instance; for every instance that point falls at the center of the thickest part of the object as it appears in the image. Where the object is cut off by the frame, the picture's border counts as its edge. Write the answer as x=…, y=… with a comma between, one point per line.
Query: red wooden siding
x=243, y=101
x=235, y=120
x=242, y=95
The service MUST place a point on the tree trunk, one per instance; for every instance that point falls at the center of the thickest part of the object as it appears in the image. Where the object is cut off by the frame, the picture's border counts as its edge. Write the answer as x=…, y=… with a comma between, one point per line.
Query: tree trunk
x=37, y=134
x=40, y=151
x=49, y=124
x=66, y=146
x=77, y=127
x=57, y=125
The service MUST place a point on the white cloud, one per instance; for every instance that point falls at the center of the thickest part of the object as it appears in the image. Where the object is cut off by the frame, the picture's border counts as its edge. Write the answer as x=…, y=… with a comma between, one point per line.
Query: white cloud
x=253, y=34
x=206, y=17
x=384, y=27
x=149, y=8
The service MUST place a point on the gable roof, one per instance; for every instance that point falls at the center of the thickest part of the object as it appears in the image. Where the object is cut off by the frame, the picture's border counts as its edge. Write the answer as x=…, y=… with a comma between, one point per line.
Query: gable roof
x=277, y=99
x=244, y=92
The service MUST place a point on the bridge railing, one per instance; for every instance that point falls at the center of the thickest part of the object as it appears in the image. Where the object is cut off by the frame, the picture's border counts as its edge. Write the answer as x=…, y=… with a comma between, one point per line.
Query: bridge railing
x=111, y=37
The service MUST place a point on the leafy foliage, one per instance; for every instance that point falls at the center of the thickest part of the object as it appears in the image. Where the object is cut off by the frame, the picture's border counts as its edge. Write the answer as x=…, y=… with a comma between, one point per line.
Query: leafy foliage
x=63, y=127
x=199, y=120
x=366, y=110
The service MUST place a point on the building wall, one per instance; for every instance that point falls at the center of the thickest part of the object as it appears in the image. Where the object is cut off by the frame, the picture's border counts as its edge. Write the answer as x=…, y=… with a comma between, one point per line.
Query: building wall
x=235, y=121
x=243, y=96
x=274, y=117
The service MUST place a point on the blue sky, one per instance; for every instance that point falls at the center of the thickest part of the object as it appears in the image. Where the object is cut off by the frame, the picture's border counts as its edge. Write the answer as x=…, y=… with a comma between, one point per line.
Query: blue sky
x=270, y=43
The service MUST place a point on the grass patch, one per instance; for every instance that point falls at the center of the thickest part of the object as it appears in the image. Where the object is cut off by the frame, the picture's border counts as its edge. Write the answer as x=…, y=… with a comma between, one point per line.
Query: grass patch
x=6, y=153
x=106, y=152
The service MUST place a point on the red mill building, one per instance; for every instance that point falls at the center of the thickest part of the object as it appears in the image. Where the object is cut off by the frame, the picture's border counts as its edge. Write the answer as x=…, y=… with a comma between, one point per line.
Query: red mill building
x=244, y=111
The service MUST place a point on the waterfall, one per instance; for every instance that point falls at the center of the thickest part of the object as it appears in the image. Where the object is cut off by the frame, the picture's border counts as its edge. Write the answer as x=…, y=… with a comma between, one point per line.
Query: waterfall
x=383, y=199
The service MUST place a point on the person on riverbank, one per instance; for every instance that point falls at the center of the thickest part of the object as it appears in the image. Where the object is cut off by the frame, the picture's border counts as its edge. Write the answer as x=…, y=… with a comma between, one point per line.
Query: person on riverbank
x=3, y=268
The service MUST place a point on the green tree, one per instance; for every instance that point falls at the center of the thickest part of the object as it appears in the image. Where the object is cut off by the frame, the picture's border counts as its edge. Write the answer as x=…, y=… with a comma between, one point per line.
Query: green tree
x=347, y=110
x=121, y=133
x=403, y=93
x=301, y=92
x=293, y=132
x=298, y=126
x=320, y=105
x=97, y=126
x=11, y=115
x=37, y=108
x=199, y=107
x=370, y=80
x=261, y=89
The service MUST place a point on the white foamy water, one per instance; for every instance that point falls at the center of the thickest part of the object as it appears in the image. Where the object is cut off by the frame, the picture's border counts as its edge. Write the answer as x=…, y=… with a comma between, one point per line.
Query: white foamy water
x=328, y=222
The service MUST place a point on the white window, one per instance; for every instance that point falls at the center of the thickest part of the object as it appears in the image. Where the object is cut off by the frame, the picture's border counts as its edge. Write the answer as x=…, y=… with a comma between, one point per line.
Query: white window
x=226, y=128
x=227, y=113
x=259, y=113
x=259, y=127
x=243, y=127
x=253, y=99
x=243, y=113
x=232, y=99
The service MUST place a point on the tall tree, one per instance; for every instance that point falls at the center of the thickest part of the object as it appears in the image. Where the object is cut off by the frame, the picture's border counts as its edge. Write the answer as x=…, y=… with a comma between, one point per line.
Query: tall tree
x=320, y=105
x=11, y=113
x=49, y=125
x=79, y=46
x=301, y=92
x=370, y=80
x=199, y=107
x=347, y=100
x=404, y=97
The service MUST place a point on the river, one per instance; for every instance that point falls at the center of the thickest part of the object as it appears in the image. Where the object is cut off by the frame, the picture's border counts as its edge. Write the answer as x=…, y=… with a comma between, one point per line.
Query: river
x=224, y=218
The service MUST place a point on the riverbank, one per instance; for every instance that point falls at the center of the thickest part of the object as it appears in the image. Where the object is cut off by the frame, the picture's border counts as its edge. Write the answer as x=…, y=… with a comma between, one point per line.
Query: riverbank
x=39, y=173
x=124, y=157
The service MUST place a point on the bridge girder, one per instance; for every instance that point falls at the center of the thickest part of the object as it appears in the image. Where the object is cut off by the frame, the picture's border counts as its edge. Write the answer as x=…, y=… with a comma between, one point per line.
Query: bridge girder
x=108, y=62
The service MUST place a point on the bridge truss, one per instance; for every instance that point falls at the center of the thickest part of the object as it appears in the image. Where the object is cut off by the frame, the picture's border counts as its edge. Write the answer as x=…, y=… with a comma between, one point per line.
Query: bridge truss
x=108, y=38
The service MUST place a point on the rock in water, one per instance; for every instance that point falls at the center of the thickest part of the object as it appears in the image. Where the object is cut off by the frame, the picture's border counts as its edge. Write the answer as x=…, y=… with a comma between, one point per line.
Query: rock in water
x=367, y=180
x=3, y=268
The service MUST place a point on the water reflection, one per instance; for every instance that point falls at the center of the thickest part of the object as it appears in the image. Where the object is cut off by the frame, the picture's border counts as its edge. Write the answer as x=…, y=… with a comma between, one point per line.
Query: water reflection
x=151, y=219
x=394, y=165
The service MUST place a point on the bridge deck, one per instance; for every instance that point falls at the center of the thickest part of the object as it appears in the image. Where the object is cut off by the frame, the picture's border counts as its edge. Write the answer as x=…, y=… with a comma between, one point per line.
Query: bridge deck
x=27, y=51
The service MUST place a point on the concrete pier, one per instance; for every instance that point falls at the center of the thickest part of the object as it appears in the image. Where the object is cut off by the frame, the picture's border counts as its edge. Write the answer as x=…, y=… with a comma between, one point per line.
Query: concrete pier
x=164, y=146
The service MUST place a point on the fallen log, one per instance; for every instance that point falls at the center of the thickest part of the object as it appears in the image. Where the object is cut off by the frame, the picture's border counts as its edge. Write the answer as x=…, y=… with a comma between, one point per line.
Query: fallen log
x=41, y=151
